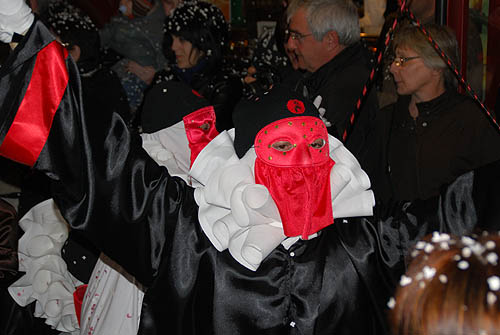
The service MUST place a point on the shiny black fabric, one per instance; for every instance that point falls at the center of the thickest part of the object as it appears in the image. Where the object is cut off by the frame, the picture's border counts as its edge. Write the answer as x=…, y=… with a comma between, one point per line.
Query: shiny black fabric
x=17, y=66
x=8, y=244
x=167, y=103
x=17, y=320
x=14, y=319
x=108, y=188
x=222, y=90
x=452, y=212
x=334, y=284
x=486, y=195
x=80, y=256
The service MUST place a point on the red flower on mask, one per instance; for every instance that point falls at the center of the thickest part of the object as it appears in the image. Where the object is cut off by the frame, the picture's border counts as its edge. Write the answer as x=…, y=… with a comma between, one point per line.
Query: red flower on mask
x=295, y=106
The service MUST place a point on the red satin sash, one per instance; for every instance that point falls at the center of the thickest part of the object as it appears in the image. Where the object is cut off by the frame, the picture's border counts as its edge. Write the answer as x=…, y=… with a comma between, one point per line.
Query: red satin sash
x=31, y=127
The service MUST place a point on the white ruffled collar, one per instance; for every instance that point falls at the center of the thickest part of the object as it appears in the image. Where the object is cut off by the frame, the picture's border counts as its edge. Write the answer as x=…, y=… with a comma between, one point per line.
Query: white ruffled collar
x=237, y=214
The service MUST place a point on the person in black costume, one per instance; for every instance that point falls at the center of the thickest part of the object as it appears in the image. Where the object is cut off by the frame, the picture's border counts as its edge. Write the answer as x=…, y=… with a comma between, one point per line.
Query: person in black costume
x=102, y=90
x=196, y=35
x=146, y=220
x=107, y=187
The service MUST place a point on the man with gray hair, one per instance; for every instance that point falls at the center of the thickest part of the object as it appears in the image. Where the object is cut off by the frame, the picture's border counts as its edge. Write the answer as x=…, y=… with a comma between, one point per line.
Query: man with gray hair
x=325, y=37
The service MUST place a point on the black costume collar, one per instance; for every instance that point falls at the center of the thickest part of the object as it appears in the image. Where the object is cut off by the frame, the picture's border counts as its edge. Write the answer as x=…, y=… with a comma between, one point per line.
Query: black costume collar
x=21, y=54
x=427, y=110
x=436, y=105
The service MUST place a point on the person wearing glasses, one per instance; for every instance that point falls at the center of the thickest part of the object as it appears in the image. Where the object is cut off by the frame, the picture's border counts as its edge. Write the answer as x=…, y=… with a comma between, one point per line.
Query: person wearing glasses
x=324, y=36
x=432, y=134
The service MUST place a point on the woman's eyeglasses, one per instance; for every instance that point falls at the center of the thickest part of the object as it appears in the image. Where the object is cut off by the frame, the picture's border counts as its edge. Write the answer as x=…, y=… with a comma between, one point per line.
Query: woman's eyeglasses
x=400, y=61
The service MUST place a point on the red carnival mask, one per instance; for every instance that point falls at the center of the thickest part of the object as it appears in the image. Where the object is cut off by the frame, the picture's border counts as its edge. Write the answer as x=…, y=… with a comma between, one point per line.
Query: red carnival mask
x=293, y=162
x=200, y=129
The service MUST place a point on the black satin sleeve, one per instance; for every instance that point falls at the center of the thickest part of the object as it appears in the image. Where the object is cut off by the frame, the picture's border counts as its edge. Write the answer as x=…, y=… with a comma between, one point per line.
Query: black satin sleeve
x=8, y=244
x=337, y=283
x=108, y=187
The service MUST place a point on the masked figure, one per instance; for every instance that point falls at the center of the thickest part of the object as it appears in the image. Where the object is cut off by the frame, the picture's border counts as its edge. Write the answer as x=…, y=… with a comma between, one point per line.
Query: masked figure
x=281, y=275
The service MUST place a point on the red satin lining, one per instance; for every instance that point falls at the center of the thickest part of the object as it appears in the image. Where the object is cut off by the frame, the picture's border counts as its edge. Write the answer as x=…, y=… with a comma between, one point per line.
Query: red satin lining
x=197, y=137
x=31, y=127
x=78, y=296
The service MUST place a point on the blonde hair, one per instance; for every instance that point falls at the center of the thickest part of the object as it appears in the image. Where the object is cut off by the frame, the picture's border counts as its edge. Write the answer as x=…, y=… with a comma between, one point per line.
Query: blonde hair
x=411, y=37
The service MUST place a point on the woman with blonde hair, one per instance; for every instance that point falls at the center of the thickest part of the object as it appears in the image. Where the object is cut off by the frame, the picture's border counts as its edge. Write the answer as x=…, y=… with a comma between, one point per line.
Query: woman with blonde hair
x=432, y=134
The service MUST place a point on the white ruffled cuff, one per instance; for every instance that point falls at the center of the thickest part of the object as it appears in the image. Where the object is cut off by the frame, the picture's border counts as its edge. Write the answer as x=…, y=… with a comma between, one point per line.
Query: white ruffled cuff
x=169, y=147
x=47, y=280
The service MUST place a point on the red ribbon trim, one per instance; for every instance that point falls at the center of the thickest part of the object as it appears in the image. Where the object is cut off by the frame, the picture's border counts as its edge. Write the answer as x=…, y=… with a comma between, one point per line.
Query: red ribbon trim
x=31, y=127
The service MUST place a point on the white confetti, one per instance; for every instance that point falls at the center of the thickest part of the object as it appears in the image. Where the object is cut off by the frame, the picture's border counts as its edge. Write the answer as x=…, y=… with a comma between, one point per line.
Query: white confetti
x=490, y=245
x=491, y=298
x=467, y=240
x=444, y=246
x=494, y=283
x=420, y=245
x=428, y=248
x=404, y=280
x=463, y=265
x=466, y=252
x=437, y=237
x=429, y=272
x=492, y=258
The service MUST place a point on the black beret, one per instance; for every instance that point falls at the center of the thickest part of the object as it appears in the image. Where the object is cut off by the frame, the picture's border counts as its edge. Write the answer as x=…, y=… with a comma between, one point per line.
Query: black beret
x=250, y=116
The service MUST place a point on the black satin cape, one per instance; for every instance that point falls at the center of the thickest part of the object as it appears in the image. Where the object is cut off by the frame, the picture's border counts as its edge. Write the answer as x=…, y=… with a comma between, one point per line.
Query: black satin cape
x=108, y=188
x=8, y=244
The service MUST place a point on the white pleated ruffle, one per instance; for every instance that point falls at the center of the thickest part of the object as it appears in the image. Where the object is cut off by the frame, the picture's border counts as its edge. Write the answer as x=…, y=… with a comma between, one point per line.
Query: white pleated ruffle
x=237, y=214
x=169, y=147
x=47, y=280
